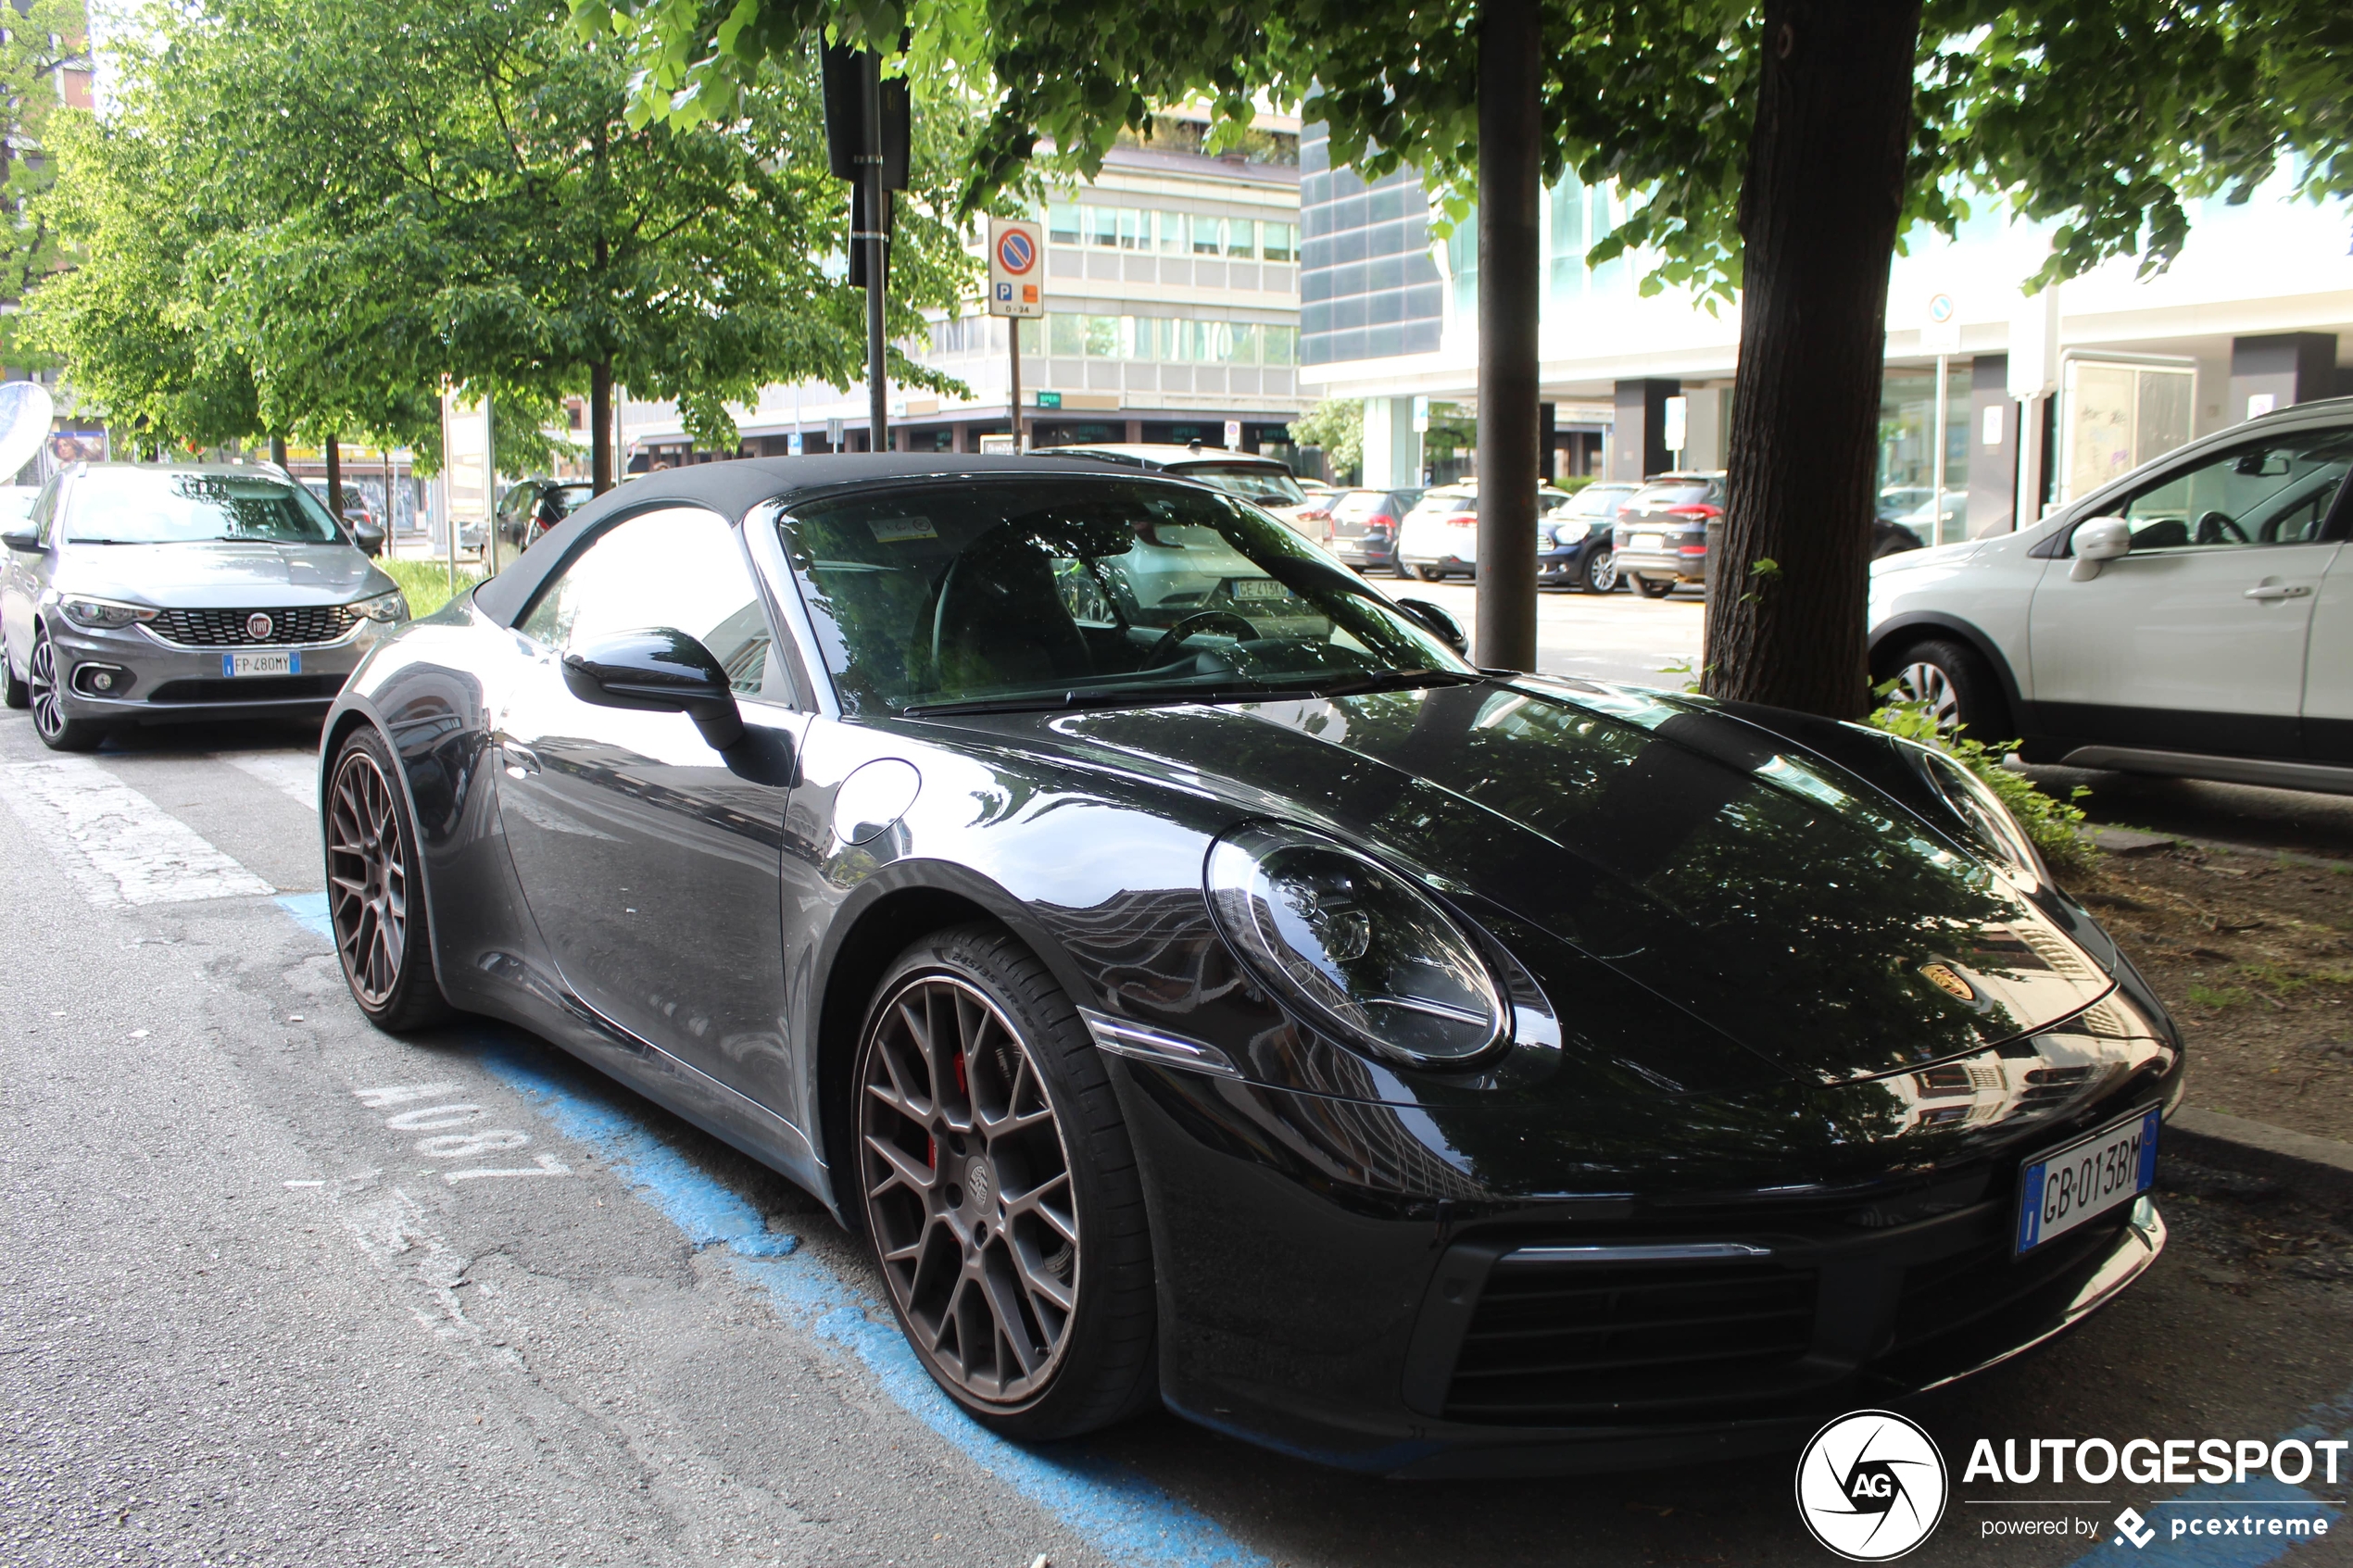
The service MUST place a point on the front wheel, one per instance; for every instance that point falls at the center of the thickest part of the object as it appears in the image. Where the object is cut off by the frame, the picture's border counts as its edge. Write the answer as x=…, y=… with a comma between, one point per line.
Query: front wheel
x=1601, y=572
x=50, y=721
x=1956, y=685
x=375, y=901
x=1654, y=587
x=1000, y=1192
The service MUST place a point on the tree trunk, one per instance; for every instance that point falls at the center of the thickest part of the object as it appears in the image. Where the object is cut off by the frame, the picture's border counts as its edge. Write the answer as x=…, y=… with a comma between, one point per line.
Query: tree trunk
x=278, y=450
x=1818, y=209
x=335, y=479
x=600, y=421
x=1510, y=132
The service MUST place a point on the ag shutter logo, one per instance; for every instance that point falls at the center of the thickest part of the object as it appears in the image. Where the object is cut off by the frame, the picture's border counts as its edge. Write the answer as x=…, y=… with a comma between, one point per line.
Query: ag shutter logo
x=1870, y=1485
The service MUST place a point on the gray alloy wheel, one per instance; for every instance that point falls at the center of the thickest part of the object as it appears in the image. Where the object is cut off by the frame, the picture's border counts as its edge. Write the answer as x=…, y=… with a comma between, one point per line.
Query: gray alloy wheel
x=373, y=900
x=1601, y=572
x=50, y=721
x=1000, y=1193
x=1923, y=682
x=968, y=1190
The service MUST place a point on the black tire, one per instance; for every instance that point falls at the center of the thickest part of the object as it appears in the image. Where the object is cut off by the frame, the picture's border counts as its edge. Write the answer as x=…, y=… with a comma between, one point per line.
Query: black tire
x=376, y=897
x=15, y=692
x=1399, y=570
x=1958, y=685
x=1600, y=575
x=1429, y=575
x=960, y=1218
x=1654, y=587
x=47, y=702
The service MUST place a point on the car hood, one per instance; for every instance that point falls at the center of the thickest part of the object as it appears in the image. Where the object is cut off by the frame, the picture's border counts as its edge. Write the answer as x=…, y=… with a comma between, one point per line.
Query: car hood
x=226, y=574
x=1782, y=901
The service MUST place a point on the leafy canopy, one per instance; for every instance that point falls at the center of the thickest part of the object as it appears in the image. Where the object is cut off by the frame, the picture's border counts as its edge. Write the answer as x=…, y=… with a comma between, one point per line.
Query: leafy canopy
x=304, y=216
x=2104, y=116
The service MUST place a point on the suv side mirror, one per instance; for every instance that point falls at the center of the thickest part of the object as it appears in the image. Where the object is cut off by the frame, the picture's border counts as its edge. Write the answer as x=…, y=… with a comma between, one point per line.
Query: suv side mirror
x=2101, y=540
x=1449, y=630
x=661, y=669
x=27, y=538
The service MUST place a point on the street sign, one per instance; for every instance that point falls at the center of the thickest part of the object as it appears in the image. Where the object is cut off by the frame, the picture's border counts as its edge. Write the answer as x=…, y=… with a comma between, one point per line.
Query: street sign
x=1017, y=279
x=792, y=444
x=1679, y=425
x=1049, y=400
x=1421, y=415
x=833, y=435
x=1233, y=434
x=1941, y=325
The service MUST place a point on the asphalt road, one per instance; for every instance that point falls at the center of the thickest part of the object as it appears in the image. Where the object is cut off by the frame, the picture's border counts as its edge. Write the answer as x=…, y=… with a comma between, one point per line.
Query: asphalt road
x=278, y=1288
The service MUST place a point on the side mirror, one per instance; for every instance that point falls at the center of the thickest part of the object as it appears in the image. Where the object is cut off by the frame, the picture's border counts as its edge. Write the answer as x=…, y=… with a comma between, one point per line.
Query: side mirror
x=27, y=538
x=1449, y=630
x=661, y=669
x=2097, y=542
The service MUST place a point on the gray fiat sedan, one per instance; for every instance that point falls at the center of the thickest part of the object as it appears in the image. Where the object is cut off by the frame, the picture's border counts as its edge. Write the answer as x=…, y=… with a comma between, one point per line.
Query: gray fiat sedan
x=152, y=592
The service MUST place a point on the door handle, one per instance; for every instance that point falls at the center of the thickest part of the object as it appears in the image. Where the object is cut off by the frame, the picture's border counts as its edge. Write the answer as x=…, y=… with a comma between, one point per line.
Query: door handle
x=522, y=761
x=2278, y=591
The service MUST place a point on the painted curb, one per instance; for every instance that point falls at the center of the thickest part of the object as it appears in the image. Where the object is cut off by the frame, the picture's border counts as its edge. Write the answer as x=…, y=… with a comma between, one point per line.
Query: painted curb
x=2319, y=1167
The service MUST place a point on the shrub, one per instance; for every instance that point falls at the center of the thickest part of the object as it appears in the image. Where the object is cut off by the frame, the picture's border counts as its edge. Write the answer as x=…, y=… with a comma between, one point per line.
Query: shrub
x=2054, y=825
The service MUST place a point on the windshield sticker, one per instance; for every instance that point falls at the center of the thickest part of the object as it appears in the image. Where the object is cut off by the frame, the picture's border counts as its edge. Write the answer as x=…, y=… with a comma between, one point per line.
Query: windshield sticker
x=899, y=530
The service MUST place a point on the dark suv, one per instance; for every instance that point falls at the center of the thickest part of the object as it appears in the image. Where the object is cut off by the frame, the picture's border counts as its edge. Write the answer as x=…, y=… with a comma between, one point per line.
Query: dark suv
x=1364, y=525
x=1662, y=530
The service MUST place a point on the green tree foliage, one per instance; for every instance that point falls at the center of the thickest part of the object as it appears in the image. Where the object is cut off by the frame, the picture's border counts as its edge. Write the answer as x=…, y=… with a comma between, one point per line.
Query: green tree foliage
x=1335, y=425
x=352, y=202
x=2105, y=116
x=43, y=39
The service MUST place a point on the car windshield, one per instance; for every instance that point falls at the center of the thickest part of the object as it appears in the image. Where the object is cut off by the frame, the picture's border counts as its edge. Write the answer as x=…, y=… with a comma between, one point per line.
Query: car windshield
x=157, y=506
x=1356, y=505
x=1252, y=482
x=1448, y=501
x=1028, y=594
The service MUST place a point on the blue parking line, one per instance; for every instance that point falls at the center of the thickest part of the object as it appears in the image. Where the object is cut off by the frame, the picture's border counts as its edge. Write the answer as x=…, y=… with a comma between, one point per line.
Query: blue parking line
x=2208, y=1501
x=309, y=910
x=1117, y=1510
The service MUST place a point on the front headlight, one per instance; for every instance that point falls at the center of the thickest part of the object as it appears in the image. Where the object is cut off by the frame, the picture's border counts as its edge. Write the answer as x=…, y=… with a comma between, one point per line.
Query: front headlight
x=1972, y=799
x=384, y=607
x=1354, y=946
x=104, y=615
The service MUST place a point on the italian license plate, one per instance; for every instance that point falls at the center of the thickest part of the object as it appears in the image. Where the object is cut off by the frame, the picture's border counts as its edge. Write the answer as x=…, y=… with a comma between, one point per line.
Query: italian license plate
x=1648, y=542
x=234, y=664
x=2062, y=1188
x=1259, y=588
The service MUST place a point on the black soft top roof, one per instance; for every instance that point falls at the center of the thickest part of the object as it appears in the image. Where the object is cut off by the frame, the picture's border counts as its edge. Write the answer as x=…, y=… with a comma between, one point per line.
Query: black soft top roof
x=734, y=488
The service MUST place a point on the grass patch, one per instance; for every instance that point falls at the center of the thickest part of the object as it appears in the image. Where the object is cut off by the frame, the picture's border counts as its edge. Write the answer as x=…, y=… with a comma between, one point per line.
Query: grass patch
x=2280, y=979
x=425, y=584
x=2226, y=996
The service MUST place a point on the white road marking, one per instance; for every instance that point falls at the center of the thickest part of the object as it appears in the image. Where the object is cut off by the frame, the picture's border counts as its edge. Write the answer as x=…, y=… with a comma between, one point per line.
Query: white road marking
x=122, y=846
x=400, y=1094
x=546, y=1165
x=294, y=774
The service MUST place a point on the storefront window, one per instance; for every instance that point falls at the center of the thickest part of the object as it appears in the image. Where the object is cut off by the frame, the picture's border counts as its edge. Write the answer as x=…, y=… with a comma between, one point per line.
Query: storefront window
x=1907, y=453
x=2113, y=418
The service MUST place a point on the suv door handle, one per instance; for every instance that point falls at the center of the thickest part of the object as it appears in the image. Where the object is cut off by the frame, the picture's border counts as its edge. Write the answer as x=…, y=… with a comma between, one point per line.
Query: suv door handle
x=2278, y=591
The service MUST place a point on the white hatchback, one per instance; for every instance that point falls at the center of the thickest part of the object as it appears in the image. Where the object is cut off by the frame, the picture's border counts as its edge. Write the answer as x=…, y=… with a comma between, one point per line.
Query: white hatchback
x=1439, y=536
x=2193, y=618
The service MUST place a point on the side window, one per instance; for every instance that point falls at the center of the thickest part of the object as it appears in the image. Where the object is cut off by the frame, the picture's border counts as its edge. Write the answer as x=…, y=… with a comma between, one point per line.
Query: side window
x=2276, y=491
x=680, y=568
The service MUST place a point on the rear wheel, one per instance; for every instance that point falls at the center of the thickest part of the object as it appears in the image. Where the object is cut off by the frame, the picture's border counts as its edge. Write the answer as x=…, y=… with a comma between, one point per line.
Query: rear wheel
x=1958, y=686
x=1000, y=1192
x=1601, y=572
x=1654, y=587
x=50, y=721
x=375, y=899
x=1429, y=575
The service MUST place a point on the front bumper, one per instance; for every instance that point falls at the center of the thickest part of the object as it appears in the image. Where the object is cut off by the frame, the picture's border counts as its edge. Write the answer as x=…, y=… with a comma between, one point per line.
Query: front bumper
x=171, y=684
x=1332, y=1286
x=1560, y=566
x=1367, y=551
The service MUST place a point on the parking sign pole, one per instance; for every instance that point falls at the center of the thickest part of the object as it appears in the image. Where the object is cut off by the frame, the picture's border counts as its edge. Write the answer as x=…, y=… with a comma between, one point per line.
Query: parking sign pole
x=1012, y=341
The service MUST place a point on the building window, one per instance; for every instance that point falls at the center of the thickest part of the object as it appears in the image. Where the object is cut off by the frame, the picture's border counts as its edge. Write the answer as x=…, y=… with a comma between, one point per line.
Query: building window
x=1241, y=237
x=1061, y=223
x=1279, y=242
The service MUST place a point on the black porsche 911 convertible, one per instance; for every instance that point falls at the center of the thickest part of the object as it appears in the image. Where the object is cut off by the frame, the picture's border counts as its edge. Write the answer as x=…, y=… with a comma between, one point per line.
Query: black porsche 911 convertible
x=1199, y=984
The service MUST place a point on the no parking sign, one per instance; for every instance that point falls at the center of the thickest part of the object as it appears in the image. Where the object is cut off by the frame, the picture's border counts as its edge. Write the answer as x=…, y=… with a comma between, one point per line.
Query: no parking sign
x=1014, y=276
